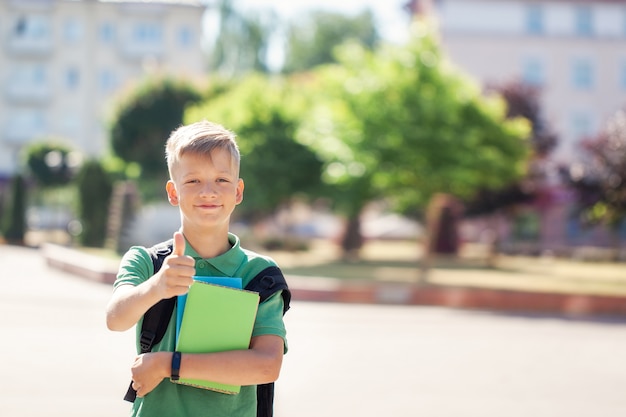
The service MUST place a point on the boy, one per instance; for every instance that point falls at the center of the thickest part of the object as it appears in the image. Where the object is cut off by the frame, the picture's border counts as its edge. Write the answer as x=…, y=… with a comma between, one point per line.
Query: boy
x=203, y=164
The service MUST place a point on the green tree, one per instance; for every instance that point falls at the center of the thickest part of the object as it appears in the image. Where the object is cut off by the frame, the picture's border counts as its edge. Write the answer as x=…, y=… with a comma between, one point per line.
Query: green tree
x=264, y=113
x=242, y=42
x=14, y=220
x=94, y=195
x=402, y=124
x=145, y=118
x=50, y=163
x=312, y=39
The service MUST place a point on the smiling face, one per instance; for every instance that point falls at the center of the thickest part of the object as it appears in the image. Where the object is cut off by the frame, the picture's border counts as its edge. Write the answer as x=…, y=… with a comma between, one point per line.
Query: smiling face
x=206, y=189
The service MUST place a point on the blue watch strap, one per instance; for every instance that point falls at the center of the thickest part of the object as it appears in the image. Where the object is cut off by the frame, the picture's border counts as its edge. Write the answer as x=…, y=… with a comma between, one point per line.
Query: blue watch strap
x=176, y=356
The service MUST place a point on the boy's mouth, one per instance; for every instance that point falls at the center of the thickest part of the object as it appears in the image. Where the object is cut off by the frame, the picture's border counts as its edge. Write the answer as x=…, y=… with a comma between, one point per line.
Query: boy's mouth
x=208, y=206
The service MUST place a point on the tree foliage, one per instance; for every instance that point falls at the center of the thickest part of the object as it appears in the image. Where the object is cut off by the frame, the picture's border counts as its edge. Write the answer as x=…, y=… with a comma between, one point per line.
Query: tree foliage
x=600, y=179
x=94, y=195
x=242, y=42
x=144, y=120
x=522, y=100
x=403, y=124
x=14, y=220
x=312, y=39
x=51, y=164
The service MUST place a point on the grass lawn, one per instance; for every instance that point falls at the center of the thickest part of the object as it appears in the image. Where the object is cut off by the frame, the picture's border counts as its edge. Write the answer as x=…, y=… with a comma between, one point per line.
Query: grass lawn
x=399, y=261
x=393, y=261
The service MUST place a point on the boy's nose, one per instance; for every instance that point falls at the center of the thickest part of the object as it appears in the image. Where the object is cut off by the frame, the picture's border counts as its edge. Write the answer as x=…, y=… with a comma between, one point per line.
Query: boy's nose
x=208, y=189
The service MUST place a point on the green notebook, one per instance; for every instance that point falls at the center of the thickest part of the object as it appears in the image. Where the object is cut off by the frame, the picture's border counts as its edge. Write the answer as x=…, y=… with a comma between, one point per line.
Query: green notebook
x=216, y=319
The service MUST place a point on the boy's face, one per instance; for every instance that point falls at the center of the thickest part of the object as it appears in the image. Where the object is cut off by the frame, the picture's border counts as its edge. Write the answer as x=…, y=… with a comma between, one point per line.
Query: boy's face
x=206, y=189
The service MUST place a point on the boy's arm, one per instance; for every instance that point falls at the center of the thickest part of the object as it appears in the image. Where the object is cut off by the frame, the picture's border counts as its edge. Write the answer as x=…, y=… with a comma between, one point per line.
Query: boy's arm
x=258, y=365
x=129, y=302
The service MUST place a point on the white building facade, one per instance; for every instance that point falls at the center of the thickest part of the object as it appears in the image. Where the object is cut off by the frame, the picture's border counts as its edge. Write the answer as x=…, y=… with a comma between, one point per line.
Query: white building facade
x=574, y=50
x=62, y=63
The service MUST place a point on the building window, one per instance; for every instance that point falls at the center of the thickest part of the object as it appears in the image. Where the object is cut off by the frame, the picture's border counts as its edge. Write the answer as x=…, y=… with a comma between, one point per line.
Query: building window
x=533, y=72
x=185, y=37
x=534, y=20
x=72, y=78
x=29, y=77
x=31, y=27
x=148, y=34
x=107, y=33
x=72, y=31
x=582, y=74
x=583, y=21
x=107, y=80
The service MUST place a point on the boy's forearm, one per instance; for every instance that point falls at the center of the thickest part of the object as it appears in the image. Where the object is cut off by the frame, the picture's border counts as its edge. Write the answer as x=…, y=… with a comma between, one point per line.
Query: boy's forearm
x=240, y=367
x=128, y=304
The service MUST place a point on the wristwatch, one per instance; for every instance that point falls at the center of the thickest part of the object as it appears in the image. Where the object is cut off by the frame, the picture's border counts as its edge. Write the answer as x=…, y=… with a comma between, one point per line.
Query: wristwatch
x=175, y=366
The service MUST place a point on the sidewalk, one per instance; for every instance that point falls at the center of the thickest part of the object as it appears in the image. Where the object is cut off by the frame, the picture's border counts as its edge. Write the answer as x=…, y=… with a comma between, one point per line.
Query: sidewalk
x=458, y=290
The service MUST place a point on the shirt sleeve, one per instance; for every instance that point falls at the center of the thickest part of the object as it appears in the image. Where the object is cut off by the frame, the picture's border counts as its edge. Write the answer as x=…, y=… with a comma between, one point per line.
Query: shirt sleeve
x=135, y=267
x=269, y=319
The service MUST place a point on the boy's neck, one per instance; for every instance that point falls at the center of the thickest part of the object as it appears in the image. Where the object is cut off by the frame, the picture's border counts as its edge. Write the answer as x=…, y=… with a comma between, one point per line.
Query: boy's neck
x=208, y=244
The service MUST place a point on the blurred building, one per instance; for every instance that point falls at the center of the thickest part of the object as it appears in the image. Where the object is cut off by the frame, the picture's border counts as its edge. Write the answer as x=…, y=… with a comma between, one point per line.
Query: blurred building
x=574, y=50
x=62, y=62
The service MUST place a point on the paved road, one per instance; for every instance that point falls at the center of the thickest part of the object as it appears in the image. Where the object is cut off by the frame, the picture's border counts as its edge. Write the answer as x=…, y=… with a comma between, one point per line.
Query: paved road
x=58, y=359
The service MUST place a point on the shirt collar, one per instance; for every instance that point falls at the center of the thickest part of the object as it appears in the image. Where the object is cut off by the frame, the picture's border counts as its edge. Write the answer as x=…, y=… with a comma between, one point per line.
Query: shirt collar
x=227, y=263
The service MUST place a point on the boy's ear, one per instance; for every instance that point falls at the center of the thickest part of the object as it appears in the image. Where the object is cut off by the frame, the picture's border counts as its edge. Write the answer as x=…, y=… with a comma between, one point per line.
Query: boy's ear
x=240, y=187
x=172, y=194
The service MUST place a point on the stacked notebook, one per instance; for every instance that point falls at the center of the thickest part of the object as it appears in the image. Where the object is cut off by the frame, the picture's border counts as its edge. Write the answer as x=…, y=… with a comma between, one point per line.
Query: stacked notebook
x=216, y=315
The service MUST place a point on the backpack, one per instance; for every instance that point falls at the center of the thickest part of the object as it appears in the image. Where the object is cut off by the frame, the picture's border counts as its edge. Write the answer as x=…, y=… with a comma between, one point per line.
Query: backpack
x=156, y=319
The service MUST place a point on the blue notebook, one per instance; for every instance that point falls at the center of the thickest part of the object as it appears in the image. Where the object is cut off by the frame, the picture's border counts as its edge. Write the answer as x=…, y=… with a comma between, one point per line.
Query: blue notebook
x=182, y=299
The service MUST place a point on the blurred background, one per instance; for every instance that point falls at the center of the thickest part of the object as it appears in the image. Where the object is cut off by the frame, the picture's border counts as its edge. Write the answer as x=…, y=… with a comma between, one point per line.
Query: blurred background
x=455, y=154
x=450, y=124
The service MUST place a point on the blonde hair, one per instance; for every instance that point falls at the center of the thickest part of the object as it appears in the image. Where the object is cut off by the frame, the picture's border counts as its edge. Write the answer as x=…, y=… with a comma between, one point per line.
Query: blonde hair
x=200, y=138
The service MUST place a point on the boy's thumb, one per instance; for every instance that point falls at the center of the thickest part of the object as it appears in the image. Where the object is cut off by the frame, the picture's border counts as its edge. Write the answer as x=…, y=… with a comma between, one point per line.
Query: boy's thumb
x=179, y=244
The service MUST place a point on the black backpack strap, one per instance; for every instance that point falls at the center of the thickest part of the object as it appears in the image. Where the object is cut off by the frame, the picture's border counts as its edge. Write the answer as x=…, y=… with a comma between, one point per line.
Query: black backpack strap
x=157, y=318
x=266, y=283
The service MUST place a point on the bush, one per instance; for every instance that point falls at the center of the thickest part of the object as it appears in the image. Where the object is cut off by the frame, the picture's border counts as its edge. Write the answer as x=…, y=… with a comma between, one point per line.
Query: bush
x=95, y=187
x=14, y=225
x=50, y=164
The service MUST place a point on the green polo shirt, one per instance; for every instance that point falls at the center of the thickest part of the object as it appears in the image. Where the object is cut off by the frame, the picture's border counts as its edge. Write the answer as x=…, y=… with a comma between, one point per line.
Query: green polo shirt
x=174, y=400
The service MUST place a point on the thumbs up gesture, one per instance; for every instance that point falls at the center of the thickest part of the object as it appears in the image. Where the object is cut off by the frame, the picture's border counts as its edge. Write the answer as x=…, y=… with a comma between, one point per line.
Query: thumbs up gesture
x=176, y=275
x=179, y=244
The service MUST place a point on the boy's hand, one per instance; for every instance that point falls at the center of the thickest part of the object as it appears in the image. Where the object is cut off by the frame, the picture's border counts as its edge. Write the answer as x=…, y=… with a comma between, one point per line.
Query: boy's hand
x=149, y=370
x=176, y=275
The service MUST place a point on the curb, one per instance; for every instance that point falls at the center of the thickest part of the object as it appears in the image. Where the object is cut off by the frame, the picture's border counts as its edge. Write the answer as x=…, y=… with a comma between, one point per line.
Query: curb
x=323, y=289
x=579, y=305
x=88, y=266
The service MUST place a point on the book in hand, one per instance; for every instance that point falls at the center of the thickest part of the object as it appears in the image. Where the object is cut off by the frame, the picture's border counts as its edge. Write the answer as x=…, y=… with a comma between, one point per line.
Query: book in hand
x=216, y=319
x=182, y=299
